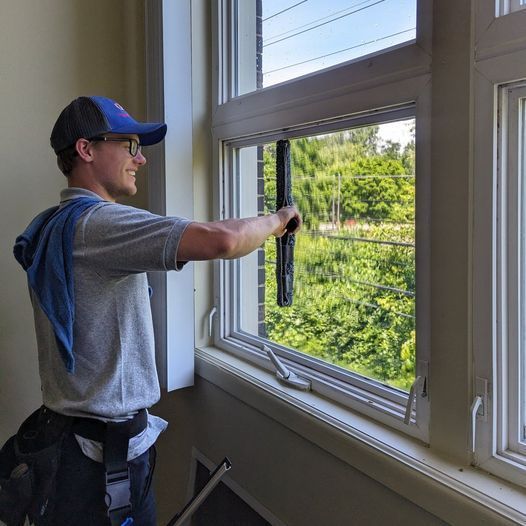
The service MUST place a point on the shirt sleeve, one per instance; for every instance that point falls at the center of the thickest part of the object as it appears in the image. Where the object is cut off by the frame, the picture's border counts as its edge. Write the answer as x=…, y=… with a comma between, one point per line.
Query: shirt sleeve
x=122, y=239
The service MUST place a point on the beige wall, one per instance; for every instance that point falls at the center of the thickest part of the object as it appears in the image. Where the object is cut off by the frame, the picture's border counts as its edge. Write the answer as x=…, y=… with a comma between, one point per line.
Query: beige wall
x=51, y=52
x=300, y=483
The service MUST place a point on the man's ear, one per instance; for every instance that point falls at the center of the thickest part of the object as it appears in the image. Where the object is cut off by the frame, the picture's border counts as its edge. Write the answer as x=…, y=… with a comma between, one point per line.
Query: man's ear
x=84, y=150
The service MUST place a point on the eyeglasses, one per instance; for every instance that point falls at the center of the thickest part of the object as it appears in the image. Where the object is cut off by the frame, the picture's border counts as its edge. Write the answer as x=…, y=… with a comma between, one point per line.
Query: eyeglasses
x=134, y=147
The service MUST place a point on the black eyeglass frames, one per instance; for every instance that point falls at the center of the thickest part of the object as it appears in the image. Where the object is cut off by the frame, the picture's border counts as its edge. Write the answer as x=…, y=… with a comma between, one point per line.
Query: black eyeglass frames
x=134, y=147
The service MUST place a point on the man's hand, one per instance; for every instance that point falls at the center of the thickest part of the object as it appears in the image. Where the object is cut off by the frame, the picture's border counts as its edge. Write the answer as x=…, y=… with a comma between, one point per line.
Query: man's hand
x=290, y=221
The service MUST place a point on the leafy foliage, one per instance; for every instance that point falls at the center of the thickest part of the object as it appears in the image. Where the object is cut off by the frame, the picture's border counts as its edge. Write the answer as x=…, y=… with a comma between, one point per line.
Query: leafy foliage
x=354, y=294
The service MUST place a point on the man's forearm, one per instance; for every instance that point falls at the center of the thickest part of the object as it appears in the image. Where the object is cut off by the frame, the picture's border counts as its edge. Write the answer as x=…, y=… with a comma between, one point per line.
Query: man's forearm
x=249, y=234
x=232, y=238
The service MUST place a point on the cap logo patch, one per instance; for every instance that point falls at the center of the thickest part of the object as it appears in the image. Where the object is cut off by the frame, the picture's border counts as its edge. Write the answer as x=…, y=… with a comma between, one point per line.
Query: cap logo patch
x=119, y=107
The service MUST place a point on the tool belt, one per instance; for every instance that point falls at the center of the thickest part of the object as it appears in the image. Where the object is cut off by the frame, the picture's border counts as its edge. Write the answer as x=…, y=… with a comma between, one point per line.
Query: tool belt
x=29, y=462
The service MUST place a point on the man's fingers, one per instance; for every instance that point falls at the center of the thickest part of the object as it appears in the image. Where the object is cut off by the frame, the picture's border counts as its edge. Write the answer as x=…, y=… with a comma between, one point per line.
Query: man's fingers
x=292, y=225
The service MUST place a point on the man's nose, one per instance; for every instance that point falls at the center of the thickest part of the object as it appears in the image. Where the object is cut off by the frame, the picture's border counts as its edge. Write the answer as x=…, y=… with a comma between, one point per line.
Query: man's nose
x=139, y=158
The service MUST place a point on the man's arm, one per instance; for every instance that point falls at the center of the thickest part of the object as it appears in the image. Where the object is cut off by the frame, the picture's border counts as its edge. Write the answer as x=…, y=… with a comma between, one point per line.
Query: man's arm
x=233, y=238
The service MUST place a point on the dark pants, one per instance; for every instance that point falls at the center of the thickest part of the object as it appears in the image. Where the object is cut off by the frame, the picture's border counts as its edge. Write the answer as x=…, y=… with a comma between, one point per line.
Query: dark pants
x=81, y=488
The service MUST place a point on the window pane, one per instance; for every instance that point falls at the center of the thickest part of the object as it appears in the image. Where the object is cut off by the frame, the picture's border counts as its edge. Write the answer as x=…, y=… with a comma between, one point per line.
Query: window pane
x=354, y=286
x=293, y=37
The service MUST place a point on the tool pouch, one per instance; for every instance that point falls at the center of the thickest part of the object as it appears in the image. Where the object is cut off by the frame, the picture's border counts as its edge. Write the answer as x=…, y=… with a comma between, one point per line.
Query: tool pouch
x=28, y=466
x=15, y=486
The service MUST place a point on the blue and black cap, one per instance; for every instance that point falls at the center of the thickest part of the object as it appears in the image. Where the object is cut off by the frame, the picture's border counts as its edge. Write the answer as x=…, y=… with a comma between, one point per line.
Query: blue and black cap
x=87, y=117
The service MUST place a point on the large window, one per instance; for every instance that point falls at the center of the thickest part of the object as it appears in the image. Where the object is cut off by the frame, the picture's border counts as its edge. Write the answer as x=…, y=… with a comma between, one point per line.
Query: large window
x=356, y=329
x=354, y=264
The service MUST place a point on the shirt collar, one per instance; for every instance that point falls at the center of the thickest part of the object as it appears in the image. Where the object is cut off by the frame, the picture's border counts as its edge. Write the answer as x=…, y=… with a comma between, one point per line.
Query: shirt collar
x=73, y=193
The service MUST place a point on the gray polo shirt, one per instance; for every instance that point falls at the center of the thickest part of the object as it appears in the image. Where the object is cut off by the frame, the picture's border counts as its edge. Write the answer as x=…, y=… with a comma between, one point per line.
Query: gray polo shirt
x=113, y=344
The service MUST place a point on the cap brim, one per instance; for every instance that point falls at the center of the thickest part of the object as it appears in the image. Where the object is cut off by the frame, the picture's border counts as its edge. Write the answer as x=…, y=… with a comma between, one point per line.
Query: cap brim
x=148, y=132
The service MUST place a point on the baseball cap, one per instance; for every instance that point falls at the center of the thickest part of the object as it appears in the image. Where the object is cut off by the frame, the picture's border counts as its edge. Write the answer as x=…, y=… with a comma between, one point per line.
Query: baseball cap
x=91, y=116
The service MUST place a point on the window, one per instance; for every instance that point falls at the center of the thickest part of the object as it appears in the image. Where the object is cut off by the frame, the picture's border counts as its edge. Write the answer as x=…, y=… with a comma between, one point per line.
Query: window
x=512, y=274
x=357, y=327
x=499, y=406
x=354, y=262
x=295, y=38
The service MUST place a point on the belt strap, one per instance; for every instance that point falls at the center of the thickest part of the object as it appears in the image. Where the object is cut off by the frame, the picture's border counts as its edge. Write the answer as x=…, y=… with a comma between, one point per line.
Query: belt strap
x=115, y=436
x=118, y=492
x=96, y=429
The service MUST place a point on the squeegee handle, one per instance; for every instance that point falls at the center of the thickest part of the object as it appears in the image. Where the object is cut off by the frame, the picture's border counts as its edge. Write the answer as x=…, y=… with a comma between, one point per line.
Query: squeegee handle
x=180, y=518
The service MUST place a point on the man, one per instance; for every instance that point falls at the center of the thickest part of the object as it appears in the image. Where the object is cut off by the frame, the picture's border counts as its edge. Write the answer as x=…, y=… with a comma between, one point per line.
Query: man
x=86, y=263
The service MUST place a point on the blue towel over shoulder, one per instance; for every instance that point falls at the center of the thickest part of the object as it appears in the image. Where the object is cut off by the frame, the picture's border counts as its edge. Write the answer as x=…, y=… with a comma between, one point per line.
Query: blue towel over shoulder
x=45, y=251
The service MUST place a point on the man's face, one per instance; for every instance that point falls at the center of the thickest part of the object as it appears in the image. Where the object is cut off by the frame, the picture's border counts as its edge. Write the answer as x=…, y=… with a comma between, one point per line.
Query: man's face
x=115, y=167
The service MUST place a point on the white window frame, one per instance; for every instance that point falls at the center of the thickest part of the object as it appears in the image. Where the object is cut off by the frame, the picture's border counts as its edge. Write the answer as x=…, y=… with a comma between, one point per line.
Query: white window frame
x=510, y=301
x=173, y=297
x=506, y=7
x=500, y=53
x=397, y=81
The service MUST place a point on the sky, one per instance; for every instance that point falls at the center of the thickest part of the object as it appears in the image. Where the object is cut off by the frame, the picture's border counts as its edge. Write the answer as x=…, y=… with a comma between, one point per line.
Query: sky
x=397, y=132
x=303, y=36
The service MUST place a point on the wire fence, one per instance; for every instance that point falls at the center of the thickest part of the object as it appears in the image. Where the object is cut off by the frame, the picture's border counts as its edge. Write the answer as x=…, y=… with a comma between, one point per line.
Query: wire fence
x=347, y=279
x=354, y=239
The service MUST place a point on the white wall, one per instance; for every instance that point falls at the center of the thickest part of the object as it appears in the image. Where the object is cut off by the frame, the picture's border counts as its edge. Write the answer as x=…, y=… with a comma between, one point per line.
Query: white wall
x=52, y=52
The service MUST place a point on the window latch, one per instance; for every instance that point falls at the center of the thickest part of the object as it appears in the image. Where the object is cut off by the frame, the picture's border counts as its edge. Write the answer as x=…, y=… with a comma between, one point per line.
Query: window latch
x=418, y=387
x=211, y=314
x=285, y=375
x=478, y=409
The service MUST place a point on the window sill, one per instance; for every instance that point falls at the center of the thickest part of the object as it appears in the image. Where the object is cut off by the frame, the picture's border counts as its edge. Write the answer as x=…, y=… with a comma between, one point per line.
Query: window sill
x=456, y=494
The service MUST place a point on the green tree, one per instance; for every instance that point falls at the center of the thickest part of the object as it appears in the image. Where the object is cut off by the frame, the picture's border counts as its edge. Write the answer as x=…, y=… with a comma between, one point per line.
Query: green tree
x=354, y=287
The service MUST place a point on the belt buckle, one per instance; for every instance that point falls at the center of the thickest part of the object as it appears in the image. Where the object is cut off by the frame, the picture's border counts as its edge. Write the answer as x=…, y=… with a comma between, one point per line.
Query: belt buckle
x=118, y=493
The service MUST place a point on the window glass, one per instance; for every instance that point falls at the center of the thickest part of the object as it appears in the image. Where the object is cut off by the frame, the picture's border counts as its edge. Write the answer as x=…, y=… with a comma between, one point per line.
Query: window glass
x=296, y=37
x=354, y=271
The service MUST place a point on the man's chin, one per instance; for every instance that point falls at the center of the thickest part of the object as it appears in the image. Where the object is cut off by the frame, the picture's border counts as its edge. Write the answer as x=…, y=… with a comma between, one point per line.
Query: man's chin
x=127, y=192
x=130, y=191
